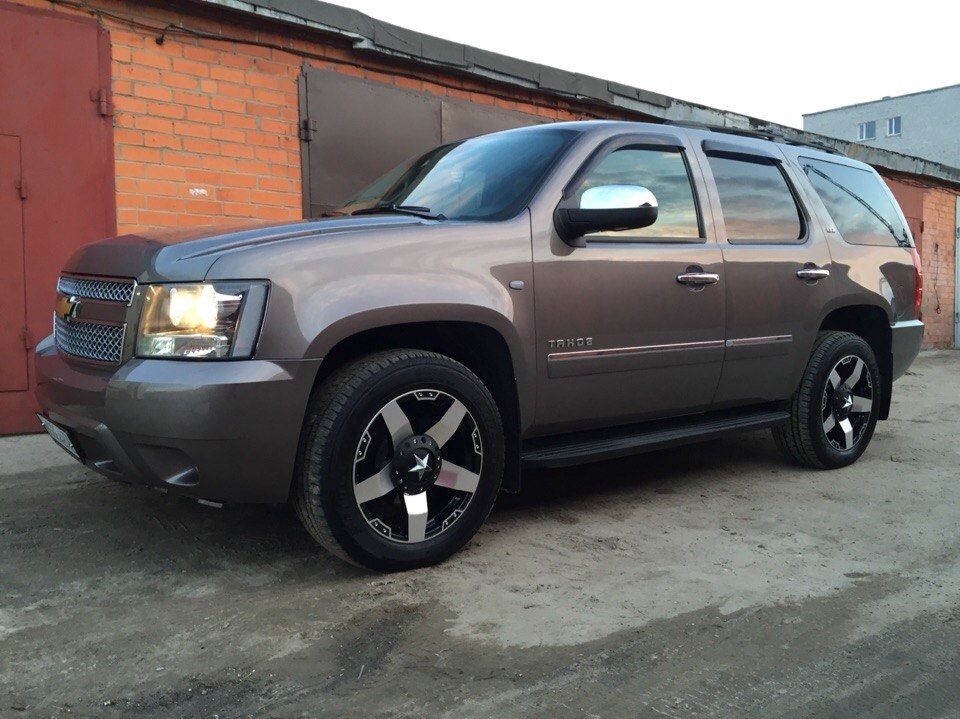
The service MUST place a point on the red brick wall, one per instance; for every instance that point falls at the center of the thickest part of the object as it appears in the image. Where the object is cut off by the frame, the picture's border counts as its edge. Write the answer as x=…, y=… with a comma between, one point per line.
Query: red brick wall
x=206, y=128
x=931, y=213
x=937, y=253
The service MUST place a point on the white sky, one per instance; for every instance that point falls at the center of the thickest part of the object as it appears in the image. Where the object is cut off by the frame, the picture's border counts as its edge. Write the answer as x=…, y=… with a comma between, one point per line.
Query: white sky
x=773, y=60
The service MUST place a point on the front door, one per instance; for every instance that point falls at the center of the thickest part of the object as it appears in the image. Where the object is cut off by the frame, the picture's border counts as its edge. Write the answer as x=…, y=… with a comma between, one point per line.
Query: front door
x=619, y=338
x=776, y=267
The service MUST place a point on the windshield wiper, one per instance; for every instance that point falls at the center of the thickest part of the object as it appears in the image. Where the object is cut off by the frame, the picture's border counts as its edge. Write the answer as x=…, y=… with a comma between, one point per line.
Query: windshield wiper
x=902, y=241
x=415, y=210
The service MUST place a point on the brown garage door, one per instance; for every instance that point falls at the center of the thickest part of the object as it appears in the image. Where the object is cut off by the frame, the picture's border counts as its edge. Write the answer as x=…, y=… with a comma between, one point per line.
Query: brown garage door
x=56, y=178
x=355, y=130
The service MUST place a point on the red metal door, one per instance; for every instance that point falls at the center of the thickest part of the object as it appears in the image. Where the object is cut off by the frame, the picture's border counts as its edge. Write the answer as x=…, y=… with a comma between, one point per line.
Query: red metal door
x=13, y=353
x=53, y=68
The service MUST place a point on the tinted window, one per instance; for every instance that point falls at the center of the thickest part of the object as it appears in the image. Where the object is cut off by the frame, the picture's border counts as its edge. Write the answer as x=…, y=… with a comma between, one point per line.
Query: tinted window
x=756, y=201
x=485, y=178
x=664, y=173
x=858, y=203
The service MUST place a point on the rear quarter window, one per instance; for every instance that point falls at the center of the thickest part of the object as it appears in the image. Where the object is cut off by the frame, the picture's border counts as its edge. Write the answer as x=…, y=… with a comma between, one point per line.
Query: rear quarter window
x=858, y=203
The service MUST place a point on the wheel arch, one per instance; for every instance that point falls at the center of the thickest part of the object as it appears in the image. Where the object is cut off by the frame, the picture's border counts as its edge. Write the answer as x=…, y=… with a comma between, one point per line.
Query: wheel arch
x=872, y=323
x=478, y=346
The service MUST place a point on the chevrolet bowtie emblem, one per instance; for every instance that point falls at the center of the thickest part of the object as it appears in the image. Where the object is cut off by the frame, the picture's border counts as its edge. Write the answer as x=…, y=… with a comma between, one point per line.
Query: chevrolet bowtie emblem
x=67, y=308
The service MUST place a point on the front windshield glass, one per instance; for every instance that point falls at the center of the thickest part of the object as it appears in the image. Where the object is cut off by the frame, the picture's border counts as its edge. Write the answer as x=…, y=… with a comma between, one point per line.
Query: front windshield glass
x=486, y=178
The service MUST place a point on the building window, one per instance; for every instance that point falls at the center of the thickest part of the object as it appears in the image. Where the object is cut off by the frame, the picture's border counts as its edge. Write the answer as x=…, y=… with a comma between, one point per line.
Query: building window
x=893, y=125
x=867, y=130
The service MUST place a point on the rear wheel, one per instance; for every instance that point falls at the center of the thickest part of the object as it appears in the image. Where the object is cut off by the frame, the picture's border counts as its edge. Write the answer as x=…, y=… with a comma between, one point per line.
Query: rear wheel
x=834, y=411
x=401, y=460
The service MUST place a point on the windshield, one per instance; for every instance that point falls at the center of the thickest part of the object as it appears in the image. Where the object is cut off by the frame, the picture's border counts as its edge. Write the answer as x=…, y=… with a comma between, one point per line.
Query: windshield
x=486, y=178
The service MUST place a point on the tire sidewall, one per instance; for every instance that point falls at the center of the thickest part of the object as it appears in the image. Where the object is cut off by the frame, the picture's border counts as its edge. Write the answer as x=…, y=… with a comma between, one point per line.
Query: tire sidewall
x=334, y=471
x=829, y=455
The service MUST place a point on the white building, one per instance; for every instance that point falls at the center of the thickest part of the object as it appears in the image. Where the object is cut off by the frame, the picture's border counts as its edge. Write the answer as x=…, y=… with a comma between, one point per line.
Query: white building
x=924, y=124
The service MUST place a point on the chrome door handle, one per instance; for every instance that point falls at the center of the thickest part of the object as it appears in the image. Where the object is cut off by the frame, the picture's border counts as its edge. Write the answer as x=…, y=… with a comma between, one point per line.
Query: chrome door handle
x=812, y=273
x=698, y=279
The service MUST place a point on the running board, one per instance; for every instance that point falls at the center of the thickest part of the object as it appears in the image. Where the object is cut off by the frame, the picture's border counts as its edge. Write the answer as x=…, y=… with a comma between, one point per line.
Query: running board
x=597, y=445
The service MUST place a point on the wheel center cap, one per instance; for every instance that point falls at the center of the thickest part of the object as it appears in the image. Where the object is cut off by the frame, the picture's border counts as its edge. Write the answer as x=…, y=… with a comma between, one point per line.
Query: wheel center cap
x=843, y=402
x=416, y=464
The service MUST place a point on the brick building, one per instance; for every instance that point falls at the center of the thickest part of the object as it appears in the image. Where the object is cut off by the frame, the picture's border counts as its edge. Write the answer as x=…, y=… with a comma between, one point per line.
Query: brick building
x=147, y=114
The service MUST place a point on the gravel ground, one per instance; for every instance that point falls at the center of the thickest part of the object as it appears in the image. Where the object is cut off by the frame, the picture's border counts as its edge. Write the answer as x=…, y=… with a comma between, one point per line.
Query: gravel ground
x=707, y=581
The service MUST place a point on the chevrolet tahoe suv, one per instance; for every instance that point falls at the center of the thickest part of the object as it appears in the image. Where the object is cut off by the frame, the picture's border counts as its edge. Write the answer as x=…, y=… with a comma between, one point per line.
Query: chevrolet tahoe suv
x=537, y=297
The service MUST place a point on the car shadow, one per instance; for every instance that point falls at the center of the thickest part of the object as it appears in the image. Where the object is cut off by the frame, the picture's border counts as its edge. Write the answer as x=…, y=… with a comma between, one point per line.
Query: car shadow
x=675, y=470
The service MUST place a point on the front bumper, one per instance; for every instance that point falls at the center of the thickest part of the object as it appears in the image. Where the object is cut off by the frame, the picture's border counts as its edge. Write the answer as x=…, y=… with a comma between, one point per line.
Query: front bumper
x=905, y=341
x=225, y=431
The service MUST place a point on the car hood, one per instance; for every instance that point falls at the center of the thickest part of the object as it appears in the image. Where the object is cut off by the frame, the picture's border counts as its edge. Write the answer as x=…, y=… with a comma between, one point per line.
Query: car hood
x=188, y=254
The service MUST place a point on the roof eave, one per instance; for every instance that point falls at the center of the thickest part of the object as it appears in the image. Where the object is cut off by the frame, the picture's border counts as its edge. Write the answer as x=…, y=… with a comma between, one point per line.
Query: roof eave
x=372, y=35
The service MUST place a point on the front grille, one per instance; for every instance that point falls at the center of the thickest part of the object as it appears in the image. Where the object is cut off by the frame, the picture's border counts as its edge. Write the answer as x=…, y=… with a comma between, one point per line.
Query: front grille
x=103, y=290
x=90, y=340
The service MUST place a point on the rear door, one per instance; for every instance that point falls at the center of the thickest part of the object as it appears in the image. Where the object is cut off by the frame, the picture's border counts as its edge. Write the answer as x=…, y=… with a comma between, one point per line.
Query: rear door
x=619, y=338
x=776, y=267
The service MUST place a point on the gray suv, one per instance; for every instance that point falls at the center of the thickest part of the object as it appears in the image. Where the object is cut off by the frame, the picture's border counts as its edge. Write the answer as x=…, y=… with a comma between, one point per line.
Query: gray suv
x=538, y=297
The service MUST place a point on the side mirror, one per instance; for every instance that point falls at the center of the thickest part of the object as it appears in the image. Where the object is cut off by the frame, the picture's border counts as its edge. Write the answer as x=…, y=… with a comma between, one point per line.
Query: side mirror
x=606, y=208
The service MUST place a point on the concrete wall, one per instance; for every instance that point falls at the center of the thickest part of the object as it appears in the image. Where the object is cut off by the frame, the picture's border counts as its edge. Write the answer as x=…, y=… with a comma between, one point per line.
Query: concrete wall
x=930, y=124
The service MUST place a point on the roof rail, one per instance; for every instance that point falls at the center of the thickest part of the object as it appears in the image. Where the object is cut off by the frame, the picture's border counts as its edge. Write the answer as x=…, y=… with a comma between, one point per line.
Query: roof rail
x=768, y=134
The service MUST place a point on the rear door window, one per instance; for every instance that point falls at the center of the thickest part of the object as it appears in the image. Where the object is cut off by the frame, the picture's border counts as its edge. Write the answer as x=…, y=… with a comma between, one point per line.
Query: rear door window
x=757, y=203
x=858, y=203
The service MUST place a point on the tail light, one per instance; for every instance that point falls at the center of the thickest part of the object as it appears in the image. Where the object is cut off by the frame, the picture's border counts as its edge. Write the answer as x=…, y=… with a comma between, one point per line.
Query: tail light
x=917, y=284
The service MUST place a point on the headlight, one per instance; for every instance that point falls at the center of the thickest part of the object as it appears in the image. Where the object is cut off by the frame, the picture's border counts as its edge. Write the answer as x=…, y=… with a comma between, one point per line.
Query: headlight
x=209, y=320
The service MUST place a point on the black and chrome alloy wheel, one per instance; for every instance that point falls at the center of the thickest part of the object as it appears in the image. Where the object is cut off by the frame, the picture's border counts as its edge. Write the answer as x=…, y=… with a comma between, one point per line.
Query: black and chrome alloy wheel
x=401, y=459
x=417, y=465
x=847, y=403
x=835, y=409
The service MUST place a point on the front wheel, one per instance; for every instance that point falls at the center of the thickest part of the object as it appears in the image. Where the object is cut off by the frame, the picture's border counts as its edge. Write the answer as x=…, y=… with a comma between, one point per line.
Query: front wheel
x=834, y=411
x=401, y=460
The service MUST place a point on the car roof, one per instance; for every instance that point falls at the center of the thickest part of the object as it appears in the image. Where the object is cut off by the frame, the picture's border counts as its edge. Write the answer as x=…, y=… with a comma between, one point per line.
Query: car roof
x=698, y=132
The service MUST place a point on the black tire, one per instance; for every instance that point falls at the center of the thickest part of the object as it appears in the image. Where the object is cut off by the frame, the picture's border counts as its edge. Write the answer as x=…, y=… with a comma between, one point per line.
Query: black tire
x=813, y=408
x=345, y=409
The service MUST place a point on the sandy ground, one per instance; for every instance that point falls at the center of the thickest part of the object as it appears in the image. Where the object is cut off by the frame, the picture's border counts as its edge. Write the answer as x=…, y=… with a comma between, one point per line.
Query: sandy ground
x=708, y=581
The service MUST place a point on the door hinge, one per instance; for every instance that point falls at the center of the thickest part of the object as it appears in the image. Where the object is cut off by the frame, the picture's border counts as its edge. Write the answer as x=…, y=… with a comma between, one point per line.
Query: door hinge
x=101, y=96
x=308, y=128
x=21, y=186
x=26, y=336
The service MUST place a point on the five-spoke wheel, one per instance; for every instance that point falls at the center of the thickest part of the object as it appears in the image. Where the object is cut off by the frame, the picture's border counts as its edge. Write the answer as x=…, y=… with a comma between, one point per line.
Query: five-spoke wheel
x=835, y=409
x=417, y=465
x=401, y=459
x=847, y=402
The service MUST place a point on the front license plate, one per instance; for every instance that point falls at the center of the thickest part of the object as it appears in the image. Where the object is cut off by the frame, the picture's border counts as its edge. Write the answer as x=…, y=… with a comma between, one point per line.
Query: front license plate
x=60, y=436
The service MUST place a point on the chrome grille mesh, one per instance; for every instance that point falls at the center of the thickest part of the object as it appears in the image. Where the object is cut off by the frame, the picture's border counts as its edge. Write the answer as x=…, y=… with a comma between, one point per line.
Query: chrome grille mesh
x=89, y=340
x=104, y=290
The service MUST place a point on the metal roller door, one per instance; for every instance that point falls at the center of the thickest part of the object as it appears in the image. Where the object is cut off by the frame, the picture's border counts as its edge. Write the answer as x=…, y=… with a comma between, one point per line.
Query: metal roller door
x=354, y=130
